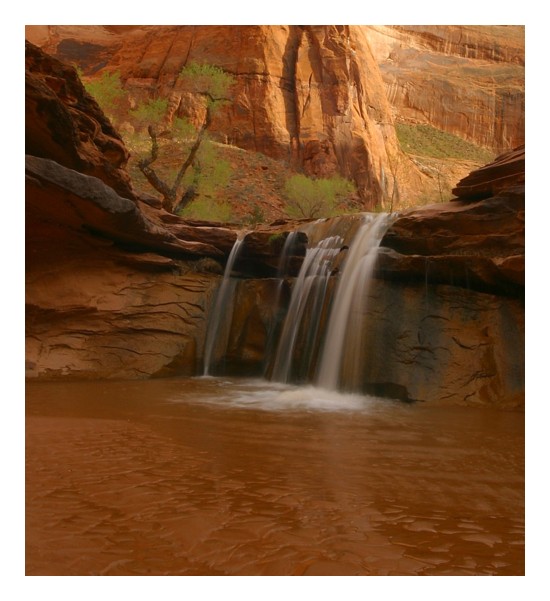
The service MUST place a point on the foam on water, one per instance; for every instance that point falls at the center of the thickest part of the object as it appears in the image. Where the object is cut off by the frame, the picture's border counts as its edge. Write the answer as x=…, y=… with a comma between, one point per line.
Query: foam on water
x=275, y=396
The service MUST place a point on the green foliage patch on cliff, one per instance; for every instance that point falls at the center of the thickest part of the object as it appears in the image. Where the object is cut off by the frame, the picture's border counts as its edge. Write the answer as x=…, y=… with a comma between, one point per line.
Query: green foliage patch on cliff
x=314, y=198
x=107, y=90
x=428, y=141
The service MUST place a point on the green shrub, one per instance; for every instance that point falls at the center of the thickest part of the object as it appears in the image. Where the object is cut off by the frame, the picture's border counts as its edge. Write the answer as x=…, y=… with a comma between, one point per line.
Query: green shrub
x=211, y=81
x=212, y=173
x=203, y=209
x=107, y=90
x=183, y=130
x=428, y=141
x=315, y=198
x=257, y=215
x=150, y=112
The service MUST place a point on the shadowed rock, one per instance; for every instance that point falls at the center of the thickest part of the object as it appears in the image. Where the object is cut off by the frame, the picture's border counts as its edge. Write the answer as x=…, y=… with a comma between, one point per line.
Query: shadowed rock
x=471, y=243
x=504, y=172
x=65, y=124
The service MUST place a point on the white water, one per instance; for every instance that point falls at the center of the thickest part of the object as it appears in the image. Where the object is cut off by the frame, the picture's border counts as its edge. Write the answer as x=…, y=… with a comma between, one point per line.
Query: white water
x=309, y=289
x=349, y=299
x=216, y=335
x=321, y=338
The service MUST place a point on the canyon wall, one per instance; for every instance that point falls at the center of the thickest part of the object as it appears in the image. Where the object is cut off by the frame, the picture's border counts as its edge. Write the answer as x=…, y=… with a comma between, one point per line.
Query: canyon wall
x=325, y=98
x=114, y=287
x=465, y=80
x=309, y=95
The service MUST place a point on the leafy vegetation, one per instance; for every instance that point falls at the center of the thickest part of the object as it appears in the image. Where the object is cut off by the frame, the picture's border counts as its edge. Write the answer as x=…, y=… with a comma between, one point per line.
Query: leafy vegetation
x=425, y=140
x=207, y=80
x=107, y=90
x=315, y=198
x=150, y=112
x=205, y=209
x=212, y=84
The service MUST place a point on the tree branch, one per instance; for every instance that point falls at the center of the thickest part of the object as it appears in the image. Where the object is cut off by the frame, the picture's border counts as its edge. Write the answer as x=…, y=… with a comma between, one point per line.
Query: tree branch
x=189, y=160
x=145, y=167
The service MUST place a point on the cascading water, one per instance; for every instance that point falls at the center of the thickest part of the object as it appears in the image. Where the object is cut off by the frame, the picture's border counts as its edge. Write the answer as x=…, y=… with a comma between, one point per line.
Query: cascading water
x=309, y=291
x=216, y=334
x=282, y=269
x=343, y=331
x=321, y=337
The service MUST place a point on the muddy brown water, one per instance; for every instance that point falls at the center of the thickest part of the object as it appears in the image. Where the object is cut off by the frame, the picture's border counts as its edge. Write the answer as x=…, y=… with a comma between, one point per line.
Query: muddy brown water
x=236, y=477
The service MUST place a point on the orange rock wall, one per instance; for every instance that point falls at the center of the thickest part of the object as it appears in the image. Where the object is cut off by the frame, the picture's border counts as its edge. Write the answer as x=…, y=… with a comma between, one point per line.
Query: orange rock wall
x=466, y=80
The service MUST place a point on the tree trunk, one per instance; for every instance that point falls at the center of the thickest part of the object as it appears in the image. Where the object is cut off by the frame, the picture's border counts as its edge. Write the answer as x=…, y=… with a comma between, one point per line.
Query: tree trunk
x=170, y=200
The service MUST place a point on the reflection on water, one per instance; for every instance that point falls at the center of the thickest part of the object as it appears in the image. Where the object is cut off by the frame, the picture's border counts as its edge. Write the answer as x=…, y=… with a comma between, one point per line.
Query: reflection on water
x=214, y=476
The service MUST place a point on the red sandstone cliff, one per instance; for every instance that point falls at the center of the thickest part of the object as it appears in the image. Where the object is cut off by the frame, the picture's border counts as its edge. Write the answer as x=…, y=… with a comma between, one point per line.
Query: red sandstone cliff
x=325, y=98
x=466, y=80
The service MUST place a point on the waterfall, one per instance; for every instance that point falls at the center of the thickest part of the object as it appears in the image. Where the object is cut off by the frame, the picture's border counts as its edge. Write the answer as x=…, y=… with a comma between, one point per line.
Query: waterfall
x=321, y=335
x=343, y=333
x=309, y=291
x=280, y=311
x=216, y=335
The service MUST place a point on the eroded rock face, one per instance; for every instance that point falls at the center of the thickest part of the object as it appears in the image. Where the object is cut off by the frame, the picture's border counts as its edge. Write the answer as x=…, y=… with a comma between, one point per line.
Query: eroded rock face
x=476, y=241
x=65, y=124
x=444, y=344
x=478, y=246
x=101, y=317
x=466, y=80
x=446, y=321
x=505, y=172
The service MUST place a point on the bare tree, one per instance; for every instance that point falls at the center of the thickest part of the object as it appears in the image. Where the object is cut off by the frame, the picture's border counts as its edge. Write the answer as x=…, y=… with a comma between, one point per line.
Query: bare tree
x=212, y=84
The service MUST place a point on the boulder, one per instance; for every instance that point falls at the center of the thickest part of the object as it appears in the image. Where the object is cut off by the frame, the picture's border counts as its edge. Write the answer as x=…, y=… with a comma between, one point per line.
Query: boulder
x=477, y=241
x=65, y=124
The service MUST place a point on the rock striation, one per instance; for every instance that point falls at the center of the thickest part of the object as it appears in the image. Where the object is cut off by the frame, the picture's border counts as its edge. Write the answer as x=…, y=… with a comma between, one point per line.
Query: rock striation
x=447, y=314
x=504, y=172
x=465, y=80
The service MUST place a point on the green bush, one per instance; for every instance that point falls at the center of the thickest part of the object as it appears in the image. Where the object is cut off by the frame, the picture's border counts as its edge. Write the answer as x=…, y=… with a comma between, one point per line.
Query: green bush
x=107, y=90
x=183, y=130
x=208, y=80
x=425, y=140
x=150, y=112
x=315, y=198
x=203, y=209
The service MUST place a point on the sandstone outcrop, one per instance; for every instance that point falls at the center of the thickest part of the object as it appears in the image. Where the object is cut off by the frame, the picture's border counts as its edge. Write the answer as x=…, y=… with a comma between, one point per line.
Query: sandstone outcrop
x=447, y=317
x=65, y=124
x=504, y=172
x=476, y=242
x=465, y=80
